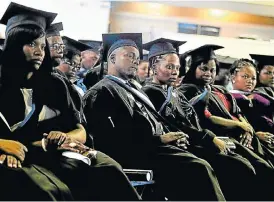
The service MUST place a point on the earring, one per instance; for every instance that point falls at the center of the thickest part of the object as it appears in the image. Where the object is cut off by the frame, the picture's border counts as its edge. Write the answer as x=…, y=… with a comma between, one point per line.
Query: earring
x=233, y=81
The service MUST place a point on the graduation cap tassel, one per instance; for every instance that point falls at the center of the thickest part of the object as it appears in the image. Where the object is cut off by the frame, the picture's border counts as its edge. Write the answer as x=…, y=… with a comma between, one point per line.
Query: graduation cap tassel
x=102, y=64
x=177, y=50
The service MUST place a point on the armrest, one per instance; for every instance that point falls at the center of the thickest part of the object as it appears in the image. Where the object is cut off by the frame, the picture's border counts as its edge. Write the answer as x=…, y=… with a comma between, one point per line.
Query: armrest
x=139, y=175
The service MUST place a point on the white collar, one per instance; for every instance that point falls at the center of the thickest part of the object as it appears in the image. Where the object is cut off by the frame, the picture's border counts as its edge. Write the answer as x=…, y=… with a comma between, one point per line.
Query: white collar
x=239, y=91
x=120, y=79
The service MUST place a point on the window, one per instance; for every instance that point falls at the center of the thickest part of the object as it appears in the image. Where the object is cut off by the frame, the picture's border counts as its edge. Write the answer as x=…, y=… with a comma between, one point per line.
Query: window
x=187, y=28
x=209, y=31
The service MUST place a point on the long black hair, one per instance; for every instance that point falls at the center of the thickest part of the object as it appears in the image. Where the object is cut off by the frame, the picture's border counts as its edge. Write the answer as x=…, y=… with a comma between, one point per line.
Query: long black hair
x=190, y=76
x=14, y=67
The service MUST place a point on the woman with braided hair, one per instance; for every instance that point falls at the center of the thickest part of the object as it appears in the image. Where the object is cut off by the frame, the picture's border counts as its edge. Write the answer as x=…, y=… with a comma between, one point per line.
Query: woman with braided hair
x=256, y=106
x=218, y=111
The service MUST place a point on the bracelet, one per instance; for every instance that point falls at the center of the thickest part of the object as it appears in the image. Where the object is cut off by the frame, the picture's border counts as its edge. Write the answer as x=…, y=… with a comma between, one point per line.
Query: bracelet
x=43, y=144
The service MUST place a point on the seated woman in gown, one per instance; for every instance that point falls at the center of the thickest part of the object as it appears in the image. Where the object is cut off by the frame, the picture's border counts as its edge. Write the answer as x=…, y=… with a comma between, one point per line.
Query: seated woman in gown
x=217, y=110
x=173, y=106
x=256, y=108
x=36, y=112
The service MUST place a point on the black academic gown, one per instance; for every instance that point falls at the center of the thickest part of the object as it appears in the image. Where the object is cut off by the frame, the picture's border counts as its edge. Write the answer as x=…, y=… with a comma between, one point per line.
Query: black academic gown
x=264, y=90
x=75, y=96
x=235, y=173
x=261, y=158
x=259, y=111
x=93, y=76
x=60, y=176
x=123, y=126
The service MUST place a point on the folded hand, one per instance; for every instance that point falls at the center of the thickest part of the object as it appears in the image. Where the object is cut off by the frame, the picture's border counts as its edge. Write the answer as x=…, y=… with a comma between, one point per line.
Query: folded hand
x=266, y=137
x=11, y=161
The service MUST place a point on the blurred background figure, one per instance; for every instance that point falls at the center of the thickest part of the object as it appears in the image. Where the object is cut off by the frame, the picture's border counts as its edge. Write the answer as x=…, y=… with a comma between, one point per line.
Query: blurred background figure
x=72, y=62
x=144, y=72
x=223, y=78
x=265, y=64
x=55, y=42
x=90, y=57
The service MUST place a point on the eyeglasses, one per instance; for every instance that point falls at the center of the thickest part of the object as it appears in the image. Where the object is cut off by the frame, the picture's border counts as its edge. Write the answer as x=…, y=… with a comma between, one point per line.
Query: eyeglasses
x=58, y=46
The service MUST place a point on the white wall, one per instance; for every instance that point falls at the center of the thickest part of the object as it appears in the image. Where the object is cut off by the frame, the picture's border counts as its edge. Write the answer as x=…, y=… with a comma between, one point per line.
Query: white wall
x=125, y=22
x=83, y=19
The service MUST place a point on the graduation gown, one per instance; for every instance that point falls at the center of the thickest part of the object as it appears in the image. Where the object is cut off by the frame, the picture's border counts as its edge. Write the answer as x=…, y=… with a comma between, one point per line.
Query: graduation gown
x=266, y=91
x=173, y=105
x=258, y=110
x=261, y=157
x=127, y=129
x=93, y=76
x=73, y=92
x=103, y=180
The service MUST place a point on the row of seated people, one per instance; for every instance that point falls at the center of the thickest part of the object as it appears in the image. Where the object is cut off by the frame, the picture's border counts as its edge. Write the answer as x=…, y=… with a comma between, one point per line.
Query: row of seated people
x=47, y=154
x=199, y=109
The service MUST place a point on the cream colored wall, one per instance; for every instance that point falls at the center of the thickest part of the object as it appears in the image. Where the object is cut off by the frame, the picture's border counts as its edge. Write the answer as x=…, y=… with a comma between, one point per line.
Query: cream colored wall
x=236, y=48
x=129, y=22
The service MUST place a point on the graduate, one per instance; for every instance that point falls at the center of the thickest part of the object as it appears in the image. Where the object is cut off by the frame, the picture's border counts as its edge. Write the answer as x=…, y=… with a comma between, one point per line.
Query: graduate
x=57, y=47
x=40, y=126
x=143, y=72
x=124, y=124
x=62, y=66
x=218, y=111
x=223, y=77
x=265, y=67
x=256, y=105
x=72, y=59
x=90, y=57
x=56, y=43
x=90, y=71
x=173, y=105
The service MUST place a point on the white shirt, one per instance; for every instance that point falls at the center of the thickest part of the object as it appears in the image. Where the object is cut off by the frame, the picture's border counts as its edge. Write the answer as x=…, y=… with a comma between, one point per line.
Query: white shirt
x=46, y=112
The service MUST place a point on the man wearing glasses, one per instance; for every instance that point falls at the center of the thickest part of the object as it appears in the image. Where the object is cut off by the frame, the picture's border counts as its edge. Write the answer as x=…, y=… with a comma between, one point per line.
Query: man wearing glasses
x=55, y=43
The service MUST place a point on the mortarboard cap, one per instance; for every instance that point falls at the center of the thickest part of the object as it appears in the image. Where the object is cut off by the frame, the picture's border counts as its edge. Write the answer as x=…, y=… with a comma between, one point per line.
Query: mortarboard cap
x=17, y=14
x=94, y=45
x=184, y=63
x=54, y=29
x=226, y=59
x=263, y=60
x=198, y=55
x=205, y=52
x=114, y=41
x=162, y=46
x=74, y=46
x=225, y=62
